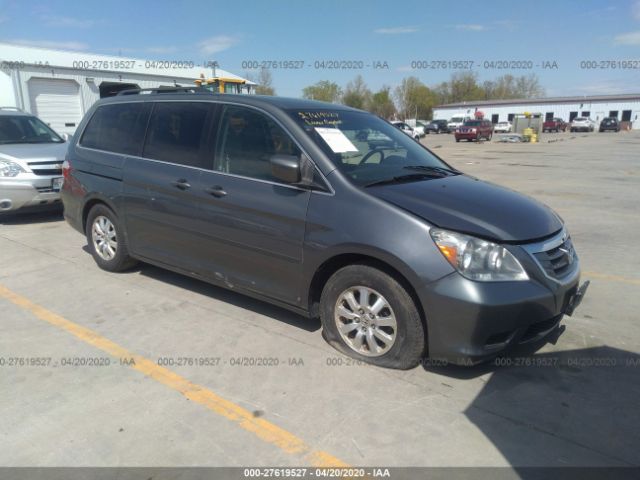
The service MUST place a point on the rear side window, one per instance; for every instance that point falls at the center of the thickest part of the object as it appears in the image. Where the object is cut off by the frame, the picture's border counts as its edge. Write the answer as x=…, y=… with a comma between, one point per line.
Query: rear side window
x=117, y=128
x=178, y=133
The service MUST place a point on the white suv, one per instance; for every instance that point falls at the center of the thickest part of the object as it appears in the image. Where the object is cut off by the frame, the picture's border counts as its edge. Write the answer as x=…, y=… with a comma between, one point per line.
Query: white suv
x=583, y=124
x=31, y=156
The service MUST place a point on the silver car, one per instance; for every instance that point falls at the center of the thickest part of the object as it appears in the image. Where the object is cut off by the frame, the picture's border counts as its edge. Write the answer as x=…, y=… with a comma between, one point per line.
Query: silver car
x=31, y=156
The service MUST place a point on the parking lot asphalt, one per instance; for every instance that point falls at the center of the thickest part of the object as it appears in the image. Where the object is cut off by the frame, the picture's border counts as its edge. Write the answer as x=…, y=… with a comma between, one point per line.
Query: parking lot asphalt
x=183, y=373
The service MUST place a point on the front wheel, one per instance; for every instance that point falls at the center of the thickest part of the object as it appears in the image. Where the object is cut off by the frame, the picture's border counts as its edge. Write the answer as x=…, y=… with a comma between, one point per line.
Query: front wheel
x=107, y=241
x=368, y=315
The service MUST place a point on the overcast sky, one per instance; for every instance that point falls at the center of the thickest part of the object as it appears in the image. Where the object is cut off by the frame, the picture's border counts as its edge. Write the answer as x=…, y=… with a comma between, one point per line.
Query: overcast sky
x=371, y=32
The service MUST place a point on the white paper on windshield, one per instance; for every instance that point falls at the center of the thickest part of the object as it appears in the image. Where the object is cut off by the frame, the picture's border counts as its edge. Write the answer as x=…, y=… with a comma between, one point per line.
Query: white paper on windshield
x=337, y=141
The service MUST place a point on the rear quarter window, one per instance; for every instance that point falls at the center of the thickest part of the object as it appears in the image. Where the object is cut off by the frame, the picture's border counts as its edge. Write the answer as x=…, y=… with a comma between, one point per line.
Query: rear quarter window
x=117, y=128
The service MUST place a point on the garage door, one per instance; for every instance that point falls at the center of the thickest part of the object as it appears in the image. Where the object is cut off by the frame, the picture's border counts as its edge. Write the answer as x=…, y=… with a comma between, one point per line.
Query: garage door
x=56, y=102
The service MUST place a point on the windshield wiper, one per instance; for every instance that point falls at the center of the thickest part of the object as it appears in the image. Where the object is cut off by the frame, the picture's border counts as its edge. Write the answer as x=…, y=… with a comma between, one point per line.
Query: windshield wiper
x=412, y=177
x=433, y=169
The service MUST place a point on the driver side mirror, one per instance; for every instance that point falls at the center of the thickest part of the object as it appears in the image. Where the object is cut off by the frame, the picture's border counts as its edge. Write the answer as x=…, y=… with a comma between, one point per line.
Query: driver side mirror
x=286, y=168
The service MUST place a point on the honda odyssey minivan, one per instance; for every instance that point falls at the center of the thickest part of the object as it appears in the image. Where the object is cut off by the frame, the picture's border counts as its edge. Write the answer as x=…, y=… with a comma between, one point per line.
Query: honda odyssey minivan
x=399, y=254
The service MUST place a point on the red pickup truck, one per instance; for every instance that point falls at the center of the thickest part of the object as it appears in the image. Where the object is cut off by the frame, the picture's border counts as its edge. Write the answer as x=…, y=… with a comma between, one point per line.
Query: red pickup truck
x=555, y=125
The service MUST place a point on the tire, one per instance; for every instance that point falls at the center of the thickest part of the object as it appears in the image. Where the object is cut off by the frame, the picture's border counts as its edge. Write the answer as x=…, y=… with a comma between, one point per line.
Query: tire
x=408, y=345
x=120, y=259
x=457, y=140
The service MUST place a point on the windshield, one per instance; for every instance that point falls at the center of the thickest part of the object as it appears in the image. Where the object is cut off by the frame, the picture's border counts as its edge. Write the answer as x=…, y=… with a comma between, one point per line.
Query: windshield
x=26, y=129
x=580, y=119
x=472, y=123
x=457, y=119
x=364, y=147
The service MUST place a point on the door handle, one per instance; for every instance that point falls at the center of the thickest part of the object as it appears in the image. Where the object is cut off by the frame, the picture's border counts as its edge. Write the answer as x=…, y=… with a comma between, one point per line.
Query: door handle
x=182, y=184
x=216, y=191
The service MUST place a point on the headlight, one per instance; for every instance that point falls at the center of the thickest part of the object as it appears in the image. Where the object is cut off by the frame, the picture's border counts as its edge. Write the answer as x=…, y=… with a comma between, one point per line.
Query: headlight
x=9, y=168
x=478, y=259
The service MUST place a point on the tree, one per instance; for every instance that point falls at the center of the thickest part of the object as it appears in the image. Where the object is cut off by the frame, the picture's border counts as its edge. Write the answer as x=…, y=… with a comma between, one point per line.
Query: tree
x=381, y=103
x=442, y=92
x=357, y=94
x=529, y=87
x=463, y=86
x=414, y=98
x=324, y=90
x=508, y=87
x=264, y=82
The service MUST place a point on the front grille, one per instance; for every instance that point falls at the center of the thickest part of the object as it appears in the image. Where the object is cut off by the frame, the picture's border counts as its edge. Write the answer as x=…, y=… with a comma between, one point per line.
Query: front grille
x=46, y=168
x=559, y=260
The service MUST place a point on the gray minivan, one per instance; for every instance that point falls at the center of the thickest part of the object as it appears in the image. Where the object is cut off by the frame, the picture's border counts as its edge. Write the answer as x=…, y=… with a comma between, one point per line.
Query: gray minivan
x=324, y=210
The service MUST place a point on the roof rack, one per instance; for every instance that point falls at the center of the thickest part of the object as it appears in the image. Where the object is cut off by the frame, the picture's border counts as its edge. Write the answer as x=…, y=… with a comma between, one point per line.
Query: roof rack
x=12, y=108
x=136, y=91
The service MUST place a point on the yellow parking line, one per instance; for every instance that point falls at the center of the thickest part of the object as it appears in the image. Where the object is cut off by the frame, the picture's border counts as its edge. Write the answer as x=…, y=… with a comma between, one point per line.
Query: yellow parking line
x=263, y=429
x=613, y=278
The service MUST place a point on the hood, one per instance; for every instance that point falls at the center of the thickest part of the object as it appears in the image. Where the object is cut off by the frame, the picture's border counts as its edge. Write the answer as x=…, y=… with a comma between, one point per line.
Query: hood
x=33, y=152
x=466, y=204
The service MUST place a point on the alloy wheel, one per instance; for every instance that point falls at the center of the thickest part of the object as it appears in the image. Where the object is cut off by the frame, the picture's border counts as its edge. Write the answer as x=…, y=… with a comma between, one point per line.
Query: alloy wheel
x=365, y=320
x=103, y=234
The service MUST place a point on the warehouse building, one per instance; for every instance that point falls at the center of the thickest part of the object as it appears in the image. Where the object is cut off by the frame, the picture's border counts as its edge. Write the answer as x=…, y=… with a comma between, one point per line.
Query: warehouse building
x=626, y=108
x=60, y=86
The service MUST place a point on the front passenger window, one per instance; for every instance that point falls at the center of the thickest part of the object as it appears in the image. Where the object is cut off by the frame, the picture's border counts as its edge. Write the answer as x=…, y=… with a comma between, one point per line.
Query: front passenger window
x=246, y=142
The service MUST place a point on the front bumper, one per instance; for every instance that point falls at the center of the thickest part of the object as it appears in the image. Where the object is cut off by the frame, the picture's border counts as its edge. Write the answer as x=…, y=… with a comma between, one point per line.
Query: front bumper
x=467, y=135
x=27, y=190
x=469, y=321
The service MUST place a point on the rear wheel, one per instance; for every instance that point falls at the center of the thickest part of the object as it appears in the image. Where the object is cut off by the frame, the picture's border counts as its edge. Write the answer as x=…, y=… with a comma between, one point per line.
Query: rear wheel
x=107, y=241
x=368, y=315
